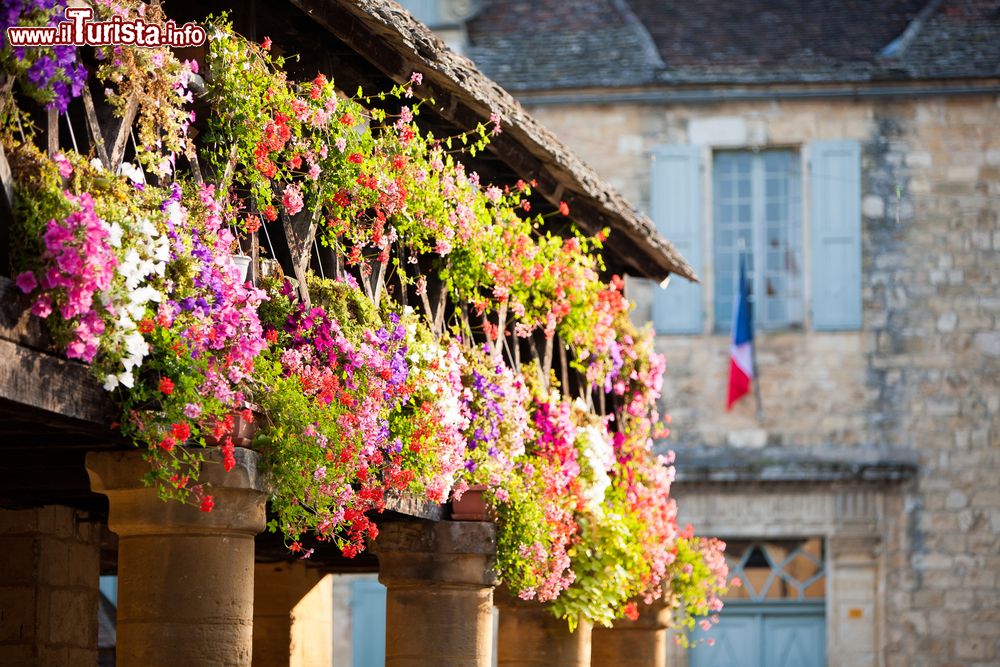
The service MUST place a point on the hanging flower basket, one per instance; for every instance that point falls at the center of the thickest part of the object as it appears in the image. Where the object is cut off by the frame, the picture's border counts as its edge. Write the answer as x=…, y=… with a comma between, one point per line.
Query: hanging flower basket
x=243, y=263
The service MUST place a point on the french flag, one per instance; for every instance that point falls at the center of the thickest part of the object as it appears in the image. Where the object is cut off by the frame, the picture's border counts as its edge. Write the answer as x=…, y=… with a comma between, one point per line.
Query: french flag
x=741, y=349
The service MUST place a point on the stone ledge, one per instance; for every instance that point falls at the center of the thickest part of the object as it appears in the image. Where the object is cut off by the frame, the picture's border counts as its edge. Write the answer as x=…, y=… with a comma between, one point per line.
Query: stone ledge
x=793, y=465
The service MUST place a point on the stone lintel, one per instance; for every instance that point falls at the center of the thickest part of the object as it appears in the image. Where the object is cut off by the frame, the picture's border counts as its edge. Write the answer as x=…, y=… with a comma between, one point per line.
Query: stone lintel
x=445, y=552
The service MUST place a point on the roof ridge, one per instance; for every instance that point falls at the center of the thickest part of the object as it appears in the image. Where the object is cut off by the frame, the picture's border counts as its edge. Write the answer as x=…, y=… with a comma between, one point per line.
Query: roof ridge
x=645, y=39
x=898, y=46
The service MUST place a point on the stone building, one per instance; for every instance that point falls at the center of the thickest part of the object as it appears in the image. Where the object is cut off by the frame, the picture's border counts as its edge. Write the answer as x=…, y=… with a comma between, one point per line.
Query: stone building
x=186, y=587
x=851, y=153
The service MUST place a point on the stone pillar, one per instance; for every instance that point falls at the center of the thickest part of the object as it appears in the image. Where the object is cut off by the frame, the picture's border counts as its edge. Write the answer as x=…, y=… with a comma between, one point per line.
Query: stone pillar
x=185, y=577
x=48, y=587
x=439, y=599
x=292, y=616
x=531, y=636
x=852, y=600
x=638, y=643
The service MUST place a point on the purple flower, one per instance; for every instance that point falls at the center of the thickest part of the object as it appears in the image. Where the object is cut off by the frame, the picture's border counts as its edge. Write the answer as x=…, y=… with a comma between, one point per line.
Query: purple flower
x=65, y=55
x=41, y=71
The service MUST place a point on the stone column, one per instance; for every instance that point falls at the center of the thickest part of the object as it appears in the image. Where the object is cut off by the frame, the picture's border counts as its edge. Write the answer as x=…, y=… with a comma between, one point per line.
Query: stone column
x=292, y=616
x=439, y=599
x=638, y=643
x=531, y=636
x=48, y=587
x=185, y=577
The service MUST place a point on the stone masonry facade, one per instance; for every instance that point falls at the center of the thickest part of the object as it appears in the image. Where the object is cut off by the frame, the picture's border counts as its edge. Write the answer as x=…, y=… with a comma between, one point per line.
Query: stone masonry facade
x=923, y=373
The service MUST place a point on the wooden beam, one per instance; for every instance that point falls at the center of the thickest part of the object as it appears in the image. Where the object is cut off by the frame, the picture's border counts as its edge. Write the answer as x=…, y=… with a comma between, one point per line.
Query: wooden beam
x=59, y=386
x=396, y=45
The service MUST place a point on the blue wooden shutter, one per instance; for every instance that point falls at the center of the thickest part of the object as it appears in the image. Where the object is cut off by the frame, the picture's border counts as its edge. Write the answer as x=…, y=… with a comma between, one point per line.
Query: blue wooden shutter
x=835, y=191
x=676, y=201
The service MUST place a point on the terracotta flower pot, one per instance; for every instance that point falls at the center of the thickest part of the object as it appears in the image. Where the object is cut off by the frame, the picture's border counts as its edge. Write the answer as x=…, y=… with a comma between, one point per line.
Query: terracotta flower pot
x=241, y=433
x=472, y=505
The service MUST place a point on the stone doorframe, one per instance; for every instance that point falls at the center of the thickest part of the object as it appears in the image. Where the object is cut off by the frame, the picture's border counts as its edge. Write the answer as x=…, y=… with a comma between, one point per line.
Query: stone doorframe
x=855, y=507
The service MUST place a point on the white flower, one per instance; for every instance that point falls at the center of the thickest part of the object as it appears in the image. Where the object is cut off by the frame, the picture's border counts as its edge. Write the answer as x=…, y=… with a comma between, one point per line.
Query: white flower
x=115, y=232
x=174, y=213
x=110, y=382
x=161, y=253
x=127, y=380
x=136, y=345
x=97, y=164
x=133, y=173
x=148, y=228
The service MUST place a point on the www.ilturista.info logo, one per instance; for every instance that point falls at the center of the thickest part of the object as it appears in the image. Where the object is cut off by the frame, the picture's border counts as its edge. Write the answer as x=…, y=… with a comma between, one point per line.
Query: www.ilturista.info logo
x=79, y=30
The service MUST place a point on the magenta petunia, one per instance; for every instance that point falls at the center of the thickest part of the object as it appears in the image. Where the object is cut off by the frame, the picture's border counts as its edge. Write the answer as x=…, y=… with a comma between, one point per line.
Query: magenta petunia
x=26, y=282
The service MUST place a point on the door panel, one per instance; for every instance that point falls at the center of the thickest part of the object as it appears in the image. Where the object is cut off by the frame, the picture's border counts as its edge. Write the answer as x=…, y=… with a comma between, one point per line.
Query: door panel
x=736, y=643
x=791, y=641
x=368, y=623
x=764, y=635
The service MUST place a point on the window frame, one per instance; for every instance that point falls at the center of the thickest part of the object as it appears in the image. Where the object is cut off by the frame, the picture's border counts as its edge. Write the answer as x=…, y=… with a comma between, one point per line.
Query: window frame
x=795, y=235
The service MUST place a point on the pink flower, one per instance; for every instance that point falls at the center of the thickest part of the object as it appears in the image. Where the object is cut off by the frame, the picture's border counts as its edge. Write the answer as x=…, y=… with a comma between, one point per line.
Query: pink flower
x=416, y=78
x=292, y=199
x=42, y=308
x=495, y=119
x=65, y=168
x=26, y=282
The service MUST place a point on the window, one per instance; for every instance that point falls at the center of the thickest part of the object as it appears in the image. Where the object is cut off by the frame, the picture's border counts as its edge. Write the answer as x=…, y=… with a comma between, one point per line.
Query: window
x=757, y=209
x=757, y=214
x=777, y=569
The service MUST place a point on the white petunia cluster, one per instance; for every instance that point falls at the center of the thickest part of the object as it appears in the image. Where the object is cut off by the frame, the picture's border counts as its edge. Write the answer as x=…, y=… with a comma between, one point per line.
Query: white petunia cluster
x=599, y=456
x=145, y=259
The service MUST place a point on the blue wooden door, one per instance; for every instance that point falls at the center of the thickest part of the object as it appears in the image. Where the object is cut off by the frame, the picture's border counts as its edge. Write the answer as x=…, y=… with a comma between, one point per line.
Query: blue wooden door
x=765, y=635
x=368, y=623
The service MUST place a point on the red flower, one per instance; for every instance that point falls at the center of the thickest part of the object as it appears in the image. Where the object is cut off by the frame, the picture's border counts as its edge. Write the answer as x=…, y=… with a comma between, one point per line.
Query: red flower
x=181, y=430
x=146, y=326
x=271, y=213
x=252, y=224
x=167, y=386
x=347, y=119
x=526, y=205
x=399, y=161
x=271, y=335
x=631, y=611
x=207, y=503
x=355, y=158
x=168, y=442
x=564, y=208
x=266, y=44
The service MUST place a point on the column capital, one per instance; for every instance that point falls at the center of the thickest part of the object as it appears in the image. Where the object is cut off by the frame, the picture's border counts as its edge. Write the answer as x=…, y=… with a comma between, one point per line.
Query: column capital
x=652, y=617
x=447, y=552
x=137, y=509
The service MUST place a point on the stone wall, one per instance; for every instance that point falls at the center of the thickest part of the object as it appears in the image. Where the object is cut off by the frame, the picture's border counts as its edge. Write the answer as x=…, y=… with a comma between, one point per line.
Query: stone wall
x=48, y=587
x=922, y=374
